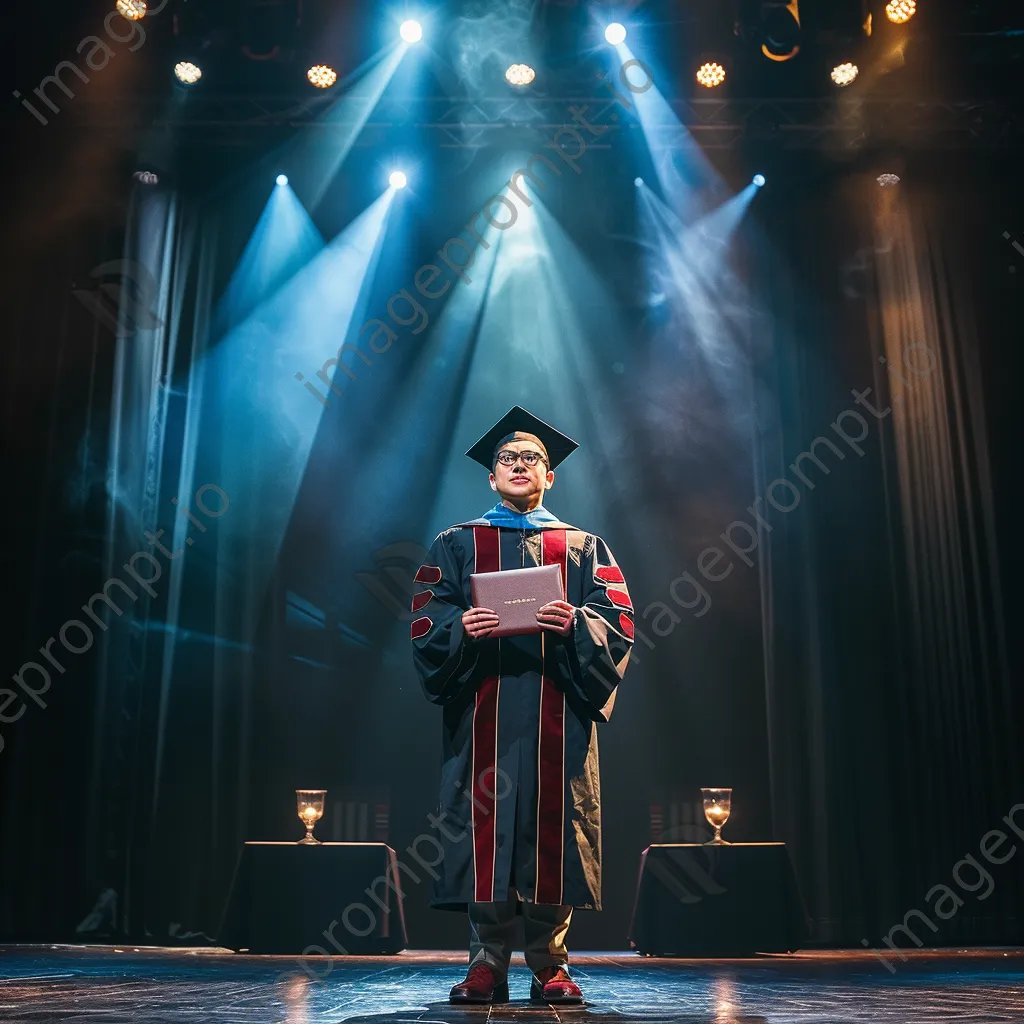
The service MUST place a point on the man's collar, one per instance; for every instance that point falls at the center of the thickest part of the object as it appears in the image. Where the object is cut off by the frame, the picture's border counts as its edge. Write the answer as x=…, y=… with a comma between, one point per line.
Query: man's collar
x=536, y=519
x=502, y=515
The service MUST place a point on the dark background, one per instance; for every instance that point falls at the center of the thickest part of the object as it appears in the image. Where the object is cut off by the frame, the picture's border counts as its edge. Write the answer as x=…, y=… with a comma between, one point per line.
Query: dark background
x=858, y=686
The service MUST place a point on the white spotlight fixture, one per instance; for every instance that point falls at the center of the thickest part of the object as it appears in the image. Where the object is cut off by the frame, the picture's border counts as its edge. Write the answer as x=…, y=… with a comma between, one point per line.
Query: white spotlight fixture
x=520, y=74
x=844, y=74
x=638, y=182
x=615, y=33
x=888, y=180
x=322, y=76
x=282, y=179
x=133, y=10
x=398, y=180
x=187, y=73
x=411, y=31
x=758, y=180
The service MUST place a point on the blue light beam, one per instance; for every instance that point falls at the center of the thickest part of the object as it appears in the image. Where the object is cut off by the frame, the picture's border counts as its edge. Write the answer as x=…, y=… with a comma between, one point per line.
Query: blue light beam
x=688, y=181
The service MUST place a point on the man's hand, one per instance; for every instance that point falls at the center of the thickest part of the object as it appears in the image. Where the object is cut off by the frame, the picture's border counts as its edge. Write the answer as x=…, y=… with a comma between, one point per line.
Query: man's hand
x=557, y=616
x=478, y=622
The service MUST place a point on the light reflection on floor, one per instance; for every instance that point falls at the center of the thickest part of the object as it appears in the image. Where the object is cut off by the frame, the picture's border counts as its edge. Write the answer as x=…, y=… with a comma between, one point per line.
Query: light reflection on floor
x=178, y=986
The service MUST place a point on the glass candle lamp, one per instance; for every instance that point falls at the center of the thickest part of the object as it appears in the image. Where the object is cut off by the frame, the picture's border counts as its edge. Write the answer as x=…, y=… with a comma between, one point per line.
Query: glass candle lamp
x=717, y=806
x=310, y=810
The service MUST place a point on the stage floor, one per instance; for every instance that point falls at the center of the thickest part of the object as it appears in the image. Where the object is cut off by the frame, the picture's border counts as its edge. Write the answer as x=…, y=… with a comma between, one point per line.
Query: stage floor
x=161, y=986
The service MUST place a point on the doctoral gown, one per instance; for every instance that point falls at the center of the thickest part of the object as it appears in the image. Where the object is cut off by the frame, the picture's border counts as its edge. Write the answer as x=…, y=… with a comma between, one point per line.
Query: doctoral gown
x=520, y=799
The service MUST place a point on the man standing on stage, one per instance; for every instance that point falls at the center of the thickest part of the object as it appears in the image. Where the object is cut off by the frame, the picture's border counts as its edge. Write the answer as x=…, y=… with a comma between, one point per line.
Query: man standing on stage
x=520, y=802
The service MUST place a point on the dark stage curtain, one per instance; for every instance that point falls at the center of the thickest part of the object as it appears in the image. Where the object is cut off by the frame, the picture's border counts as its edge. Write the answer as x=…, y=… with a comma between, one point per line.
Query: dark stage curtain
x=893, y=722
x=98, y=769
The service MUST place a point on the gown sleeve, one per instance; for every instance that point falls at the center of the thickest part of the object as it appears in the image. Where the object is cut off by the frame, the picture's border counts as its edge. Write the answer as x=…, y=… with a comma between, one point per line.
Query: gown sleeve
x=598, y=645
x=445, y=657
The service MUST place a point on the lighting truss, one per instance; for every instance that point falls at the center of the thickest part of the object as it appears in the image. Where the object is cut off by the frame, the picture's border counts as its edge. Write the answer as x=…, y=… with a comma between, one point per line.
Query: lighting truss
x=231, y=121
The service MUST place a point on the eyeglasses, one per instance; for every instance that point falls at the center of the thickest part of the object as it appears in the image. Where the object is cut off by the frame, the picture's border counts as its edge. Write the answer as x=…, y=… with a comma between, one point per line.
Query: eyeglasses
x=510, y=458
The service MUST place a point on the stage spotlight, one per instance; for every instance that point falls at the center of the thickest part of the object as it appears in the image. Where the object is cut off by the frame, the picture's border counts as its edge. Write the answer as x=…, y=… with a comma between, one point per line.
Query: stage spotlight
x=888, y=180
x=638, y=182
x=758, y=180
x=323, y=76
x=900, y=11
x=398, y=180
x=187, y=73
x=520, y=74
x=711, y=74
x=282, y=179
x=133, y=10
x=615, y=33
x=844, y=74
x=411, y=31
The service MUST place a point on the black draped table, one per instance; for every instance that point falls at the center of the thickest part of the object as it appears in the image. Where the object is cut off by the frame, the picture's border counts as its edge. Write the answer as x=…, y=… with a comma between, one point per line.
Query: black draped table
x=698, y=900
x=289, y=898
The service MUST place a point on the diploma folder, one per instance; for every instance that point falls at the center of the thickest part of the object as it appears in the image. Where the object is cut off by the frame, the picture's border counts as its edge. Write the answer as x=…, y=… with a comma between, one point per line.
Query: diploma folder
x=516, y=594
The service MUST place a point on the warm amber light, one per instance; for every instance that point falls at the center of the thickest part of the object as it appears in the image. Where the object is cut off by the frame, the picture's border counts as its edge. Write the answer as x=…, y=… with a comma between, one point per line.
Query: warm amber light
x=323, y=76
x=717, y=805
x=310, y=810
x=711, y=74
x=133, y=10
x=900, y=11
x=844, y=74
x=520, y=74
x=716, y=814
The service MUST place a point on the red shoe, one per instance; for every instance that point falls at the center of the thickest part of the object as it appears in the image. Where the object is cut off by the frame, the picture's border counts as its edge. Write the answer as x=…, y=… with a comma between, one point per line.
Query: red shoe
x=481, y=986
x=553, y=985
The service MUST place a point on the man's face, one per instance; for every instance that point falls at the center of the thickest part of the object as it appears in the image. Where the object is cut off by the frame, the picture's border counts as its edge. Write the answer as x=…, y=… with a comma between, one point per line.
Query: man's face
x=520, y=484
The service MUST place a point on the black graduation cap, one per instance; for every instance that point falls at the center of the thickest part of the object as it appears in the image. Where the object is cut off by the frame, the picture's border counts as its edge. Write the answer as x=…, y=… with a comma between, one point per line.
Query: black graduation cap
x=518, y=421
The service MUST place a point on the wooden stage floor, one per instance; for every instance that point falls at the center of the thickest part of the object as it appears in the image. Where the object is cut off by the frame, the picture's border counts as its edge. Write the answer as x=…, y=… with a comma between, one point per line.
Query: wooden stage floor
x=188, y=986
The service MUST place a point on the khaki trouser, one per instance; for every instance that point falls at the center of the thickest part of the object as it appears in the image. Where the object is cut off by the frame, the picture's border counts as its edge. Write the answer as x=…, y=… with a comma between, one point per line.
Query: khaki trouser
x=491, y=933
